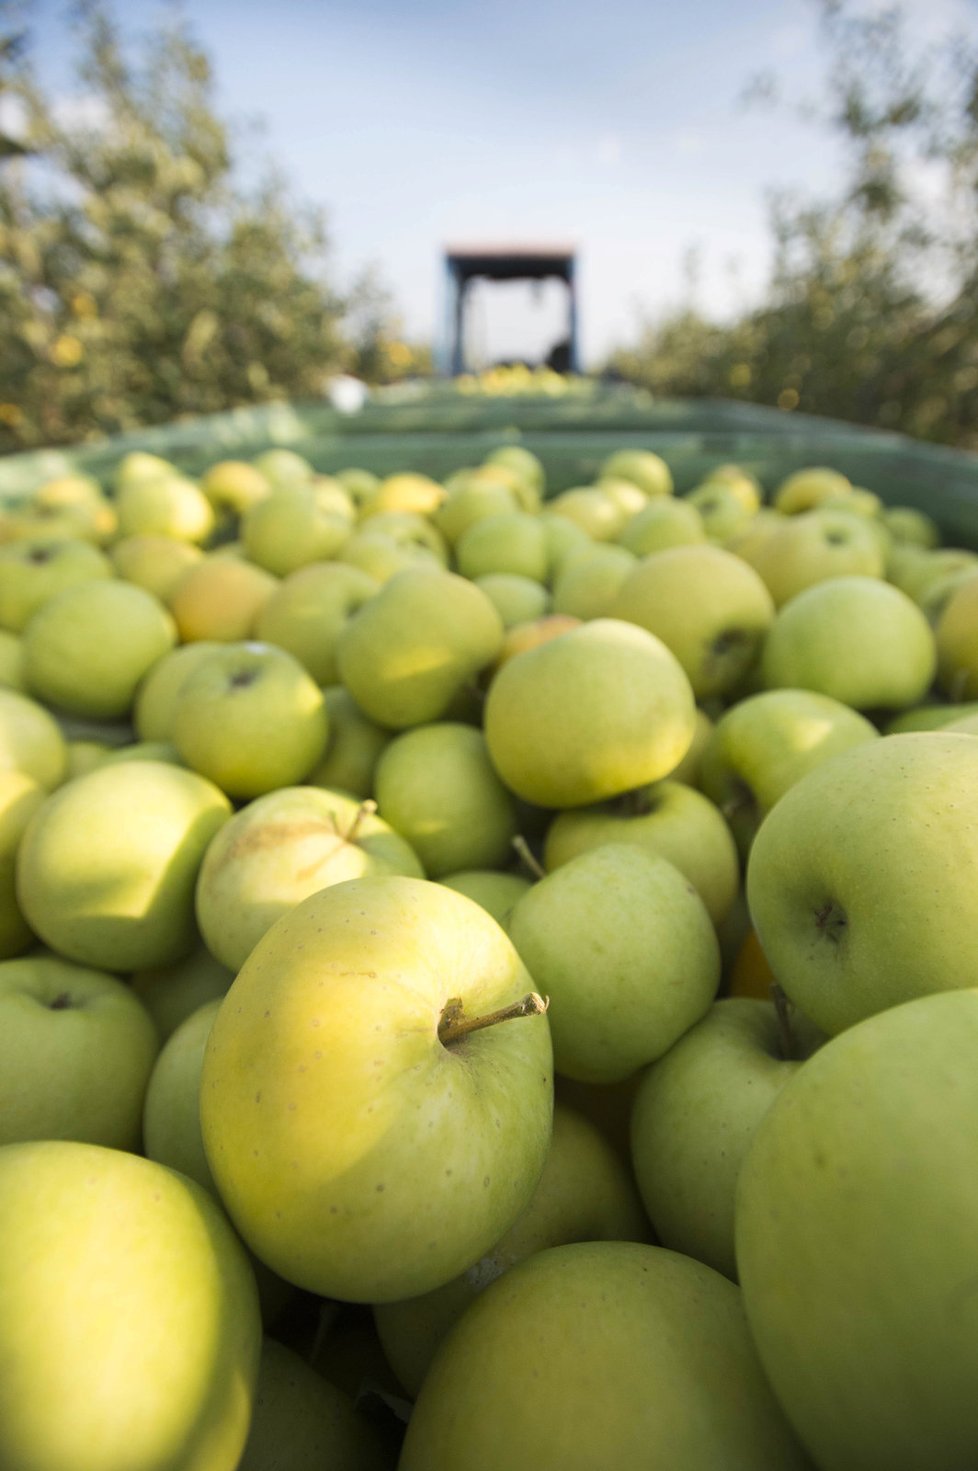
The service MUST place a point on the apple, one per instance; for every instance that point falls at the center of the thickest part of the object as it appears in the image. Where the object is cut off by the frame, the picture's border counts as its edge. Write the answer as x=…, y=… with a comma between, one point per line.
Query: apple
x=626, y=495
x=220, y=599
x=166, y=1384
x=497, y=892
x=87, y=648
x=696, y=1112
x=399, y=1011
x=357, y=482
x=171, y=1110
x=623, y=945
x=139, y=465
x=155, y=702
x=813, y=547
x=411, y=650
x=250, y=719
x=169, y=505
x=517, y=599
x=688, y=770
x=301, y=1420
x=665, y=818
x=601, y=1353
x=858, y=1289
x=469, y=500
x=956, y=636
x=283, y=467
x=437, y=787
x=856, y=639
x=522, y=636
x=308, y=610
x=32, y=571
x=664, y=522
x=706, y=605
x=20, y=797
x=11, y=662
x=563, y=537
x=31, y=740
x=107, y=865
x=381, y=556
x=171, y=993
x=588, y=506
x=805, y=488
x=601, y=709
x=510, y=541
x=409, y=530
x=76, y=1052
x=909, y=526
x=588, y=580
x=929, y=717
x=524, y=463
x=289, y=529
x=585, y=1194
x=278, y=849
x=765, y=743
x=648, y=471
x=861, y=880
x=353, y=746
x=723, y=511
x=403, y=491
x=234, y=485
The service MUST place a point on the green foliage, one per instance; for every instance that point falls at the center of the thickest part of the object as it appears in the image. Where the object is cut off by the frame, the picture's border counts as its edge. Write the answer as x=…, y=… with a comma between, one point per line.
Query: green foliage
x=871, y=311
x=139, y=282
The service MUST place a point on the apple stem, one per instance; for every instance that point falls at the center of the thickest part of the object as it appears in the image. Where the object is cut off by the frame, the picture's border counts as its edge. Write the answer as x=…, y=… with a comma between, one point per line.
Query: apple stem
x=367, y=808
x=782, y=1010
x=454, y=1025
x=529, y=858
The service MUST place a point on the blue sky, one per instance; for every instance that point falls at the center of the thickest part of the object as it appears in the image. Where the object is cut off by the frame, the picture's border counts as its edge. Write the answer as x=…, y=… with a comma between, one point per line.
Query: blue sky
x=617, y=127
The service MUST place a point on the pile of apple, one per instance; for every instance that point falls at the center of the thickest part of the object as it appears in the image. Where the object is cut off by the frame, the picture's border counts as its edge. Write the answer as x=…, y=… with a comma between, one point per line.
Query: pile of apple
x=488, y=982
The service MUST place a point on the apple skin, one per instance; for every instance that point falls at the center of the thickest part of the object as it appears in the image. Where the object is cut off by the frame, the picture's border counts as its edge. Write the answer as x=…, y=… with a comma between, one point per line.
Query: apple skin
x=107, y=866
x=662, y=523
x=308, y=610
x=76, y=1052
x=33, y=571
x=167, y=505
x=153, y=707
x=496, y=892
x=87, y=648
x=155, y=563
x=623, y=945
x=516, y=599
x=695, y=1114
x=595, y=712
x=171, y=993
x=281, y=848
x=859, y=1289
x=290, y=529
x=668, y=818
x=165, y=1385
x=585, y=1194
x=649, y=471
x=857, y=639
x=765, y=743
x=250, y=719
x=813, y=547
x=806, y=488
x=861, y=881
x=588, y=581
x=171, y=1111
x=220, y=598
x=20, y=797
x=437, y=787
x=408, y=653
x=513, y=541
x=301, y=1421
x=601, y=1353
x=433, y=1150
x=31, y=740
x=957, y=642
x=353, y=746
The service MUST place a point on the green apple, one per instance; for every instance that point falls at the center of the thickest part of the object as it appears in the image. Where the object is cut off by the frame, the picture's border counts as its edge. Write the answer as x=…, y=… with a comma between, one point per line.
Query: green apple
x=31, y=740
x=76, y=1052
x=589, y=579
x=648, y=471
x=289, y=529
x=405, y=490
x=722, y=511
x=107, y=866
x=20, y=797
x=688, y=770
x=11, y=661
x=563, y=537
x=601, y=1353
x=956, y=636
x=169, y=505
x=907, y=525
x=409, y=652
x=353, y=746
x=220, y=598
x=855, y=1241
x=857, y=639
x=234, y=485
x=585, y=1194
x=165, y=1384
x=808, y=487
x=139, y=465
x=662, y=523
x=33, y=571
x=497, y=892
x=280, y=848
x=409, y=530
x=357, y=482
x=510, y=541
x=667, y=818
x=696, y=1112
x=309, y=610
x=283, y=467
x=861, y=880
x=400, y=1012
x=517, y=599
x=588, y=715
x=437, y=787
x=813, y=547
x=171, y=993
x=153, y=707
x=381, y=556
x=87, y=648
x=707, y=606
x=763, y=744
x=171, y=1108
x=588, y=506
x=623, y=945
x=250, y=718
x=626, y=495
x=929, y=717
x=154, y=563
x=301, y=1420
x=527, y=465
x=469, y=500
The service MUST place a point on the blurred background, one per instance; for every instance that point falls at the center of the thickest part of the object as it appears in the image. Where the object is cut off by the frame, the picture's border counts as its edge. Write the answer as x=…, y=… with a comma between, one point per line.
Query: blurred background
x=219, y=204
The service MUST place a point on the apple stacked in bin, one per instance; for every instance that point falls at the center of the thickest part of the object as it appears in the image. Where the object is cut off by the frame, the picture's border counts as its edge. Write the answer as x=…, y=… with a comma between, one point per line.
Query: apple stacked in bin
x=486, y=978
